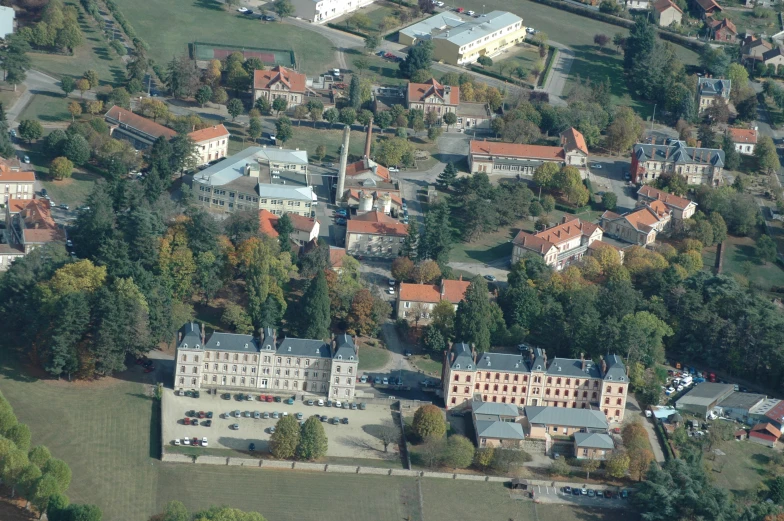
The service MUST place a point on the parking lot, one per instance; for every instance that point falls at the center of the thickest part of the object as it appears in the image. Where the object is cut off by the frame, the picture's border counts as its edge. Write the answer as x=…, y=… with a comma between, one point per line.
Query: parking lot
x=593, y=496
x=357, y=439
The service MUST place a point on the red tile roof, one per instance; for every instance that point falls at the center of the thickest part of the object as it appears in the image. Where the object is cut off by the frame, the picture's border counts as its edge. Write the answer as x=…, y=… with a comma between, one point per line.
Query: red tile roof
x=364, y=165
x=776, y=413
x=139, y=123
x=451, y=290
x=663, y=5
x=708, y=5
x=718, y=25
x=208, y=133
x=743, y=135
x=264, y=79
x=767, y=428
x=13, y=170
x=454, y=290
x=572, y=139
x=336, y=256
x=16, y=205
x=376, y=223
x=552, y=237
x=668, y=199
x=489, y=148
x=268, y=223
x=421, y=91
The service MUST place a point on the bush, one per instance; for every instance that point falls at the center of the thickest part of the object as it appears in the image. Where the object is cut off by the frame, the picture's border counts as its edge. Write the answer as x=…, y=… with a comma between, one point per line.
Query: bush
x=429, y=422
x=342, y=27
x=549, y=66
x=485, y=61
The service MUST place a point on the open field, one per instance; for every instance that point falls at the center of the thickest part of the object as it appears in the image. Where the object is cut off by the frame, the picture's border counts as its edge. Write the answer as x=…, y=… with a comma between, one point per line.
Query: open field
x=523, y=55
x=8, y=96
x=745, y=22
x=372, y=358
x=48, y=108
x=739, y=259
x=94, y=54
x=73, y=191
x=743, y=468
x=309, y=139
x=426, y=364
x=208, y=21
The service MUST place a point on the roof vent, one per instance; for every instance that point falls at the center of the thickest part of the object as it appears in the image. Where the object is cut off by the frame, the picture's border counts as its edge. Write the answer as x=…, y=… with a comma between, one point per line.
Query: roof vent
x=217, y=344
x=246, y=346
x=289, y=349
x=609, y=377
x=623, y=379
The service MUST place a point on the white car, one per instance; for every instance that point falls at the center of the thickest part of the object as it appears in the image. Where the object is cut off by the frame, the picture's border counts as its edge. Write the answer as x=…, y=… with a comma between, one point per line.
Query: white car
x=391, y=291
x=680, y=388
x=393, y=169
x=338, y=404
x=204, y=441
x=242, y=9
x=470, y=13
x=177, y=441
x=440, y=4
x=186, y=441
x=669, y=391
x=596, y=166
x=320, y=403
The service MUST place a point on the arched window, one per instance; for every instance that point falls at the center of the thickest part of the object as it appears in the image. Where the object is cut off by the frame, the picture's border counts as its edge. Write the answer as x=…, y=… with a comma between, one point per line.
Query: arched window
x=513, y=399
x=467, y=390
x=457, y=378
x=497, y=376
x=476, y=386
x=524, y=388
x=503, y=399
x=487, y=388
x=606, y=401
x=577, y=383
x=549, y=380
x=568, y=381
x=566, y=393
x=557, y=392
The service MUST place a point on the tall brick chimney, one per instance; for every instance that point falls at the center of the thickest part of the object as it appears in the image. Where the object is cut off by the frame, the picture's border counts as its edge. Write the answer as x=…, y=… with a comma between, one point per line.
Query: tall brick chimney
x=343, y=161
x=369, y=138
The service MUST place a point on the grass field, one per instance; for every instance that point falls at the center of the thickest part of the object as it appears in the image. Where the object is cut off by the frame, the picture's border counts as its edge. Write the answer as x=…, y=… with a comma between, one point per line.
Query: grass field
x=744, y=466
x=8, y=96
x=372, y=358
x=94, y=54
x=745, y=22
x=48, y=108
x=739, y=259
x=309, y=138
x=426, y=364
x=208, y=21
x=524, y=55
x=73, y=191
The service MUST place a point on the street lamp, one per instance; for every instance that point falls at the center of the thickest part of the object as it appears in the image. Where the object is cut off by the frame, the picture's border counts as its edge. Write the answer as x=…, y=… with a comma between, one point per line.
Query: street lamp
x=483, y=9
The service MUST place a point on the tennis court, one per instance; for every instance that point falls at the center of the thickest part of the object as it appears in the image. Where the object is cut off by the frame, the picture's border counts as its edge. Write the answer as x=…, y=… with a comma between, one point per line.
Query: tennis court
x=215, y=51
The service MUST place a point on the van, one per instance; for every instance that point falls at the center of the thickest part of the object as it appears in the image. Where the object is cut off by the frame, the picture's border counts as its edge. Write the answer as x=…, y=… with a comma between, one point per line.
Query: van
x=687, y=381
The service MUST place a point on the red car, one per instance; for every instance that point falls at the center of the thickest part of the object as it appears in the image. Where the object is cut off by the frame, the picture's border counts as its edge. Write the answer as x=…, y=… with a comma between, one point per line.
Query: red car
x=268, y=398
x=262, y=398
x=460, y=9
x=186, y=421
x=201, y=414
x=140, y=361
x=195, y=442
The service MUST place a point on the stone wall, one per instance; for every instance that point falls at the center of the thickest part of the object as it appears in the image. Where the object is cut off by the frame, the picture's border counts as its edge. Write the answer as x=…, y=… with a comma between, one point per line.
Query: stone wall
x=212, y=460
x=176, y=458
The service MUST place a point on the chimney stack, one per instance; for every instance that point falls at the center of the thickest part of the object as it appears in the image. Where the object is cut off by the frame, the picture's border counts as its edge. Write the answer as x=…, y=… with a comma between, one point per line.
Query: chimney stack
x=544, y=354
x=202, y=333
x=179, y=337
x=582, y=361
x=443, y=290
x=604, y=365
x=343, y=161
x=369, y=138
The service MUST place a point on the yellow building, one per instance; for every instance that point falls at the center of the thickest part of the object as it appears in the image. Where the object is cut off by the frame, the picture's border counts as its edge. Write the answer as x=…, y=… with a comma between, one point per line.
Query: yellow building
x=457, y=40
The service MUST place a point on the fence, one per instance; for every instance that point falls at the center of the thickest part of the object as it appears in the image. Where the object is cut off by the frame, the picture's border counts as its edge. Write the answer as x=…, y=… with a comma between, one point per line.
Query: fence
x=220, y=51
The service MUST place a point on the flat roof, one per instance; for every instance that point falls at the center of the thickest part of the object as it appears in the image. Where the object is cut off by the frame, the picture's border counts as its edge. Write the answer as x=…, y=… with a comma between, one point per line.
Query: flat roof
x=234, y=166
x=705, y=394
x=459, y=31
x=738, y=400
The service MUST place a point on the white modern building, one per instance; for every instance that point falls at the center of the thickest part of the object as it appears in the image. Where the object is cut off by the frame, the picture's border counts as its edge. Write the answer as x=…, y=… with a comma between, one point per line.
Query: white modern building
x=7, y=17
x=320, y=11
x=246, y=362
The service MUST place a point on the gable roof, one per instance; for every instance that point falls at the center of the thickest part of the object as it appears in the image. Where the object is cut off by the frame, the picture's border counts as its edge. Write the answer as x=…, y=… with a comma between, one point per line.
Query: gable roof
x=268, y=223
x=543, y=241
x=451, y=290
x=190, y=335
x=139, y=123
x=492, y=148
x=14, y=171
x=209, y=133
x=708, y=5
x=367, y=165
x=767, y=428
x=265, y=79
x=743, y=135
x=304, y=347
x=376, y=223
x=593, y=440
x=663, y=5
x=336, y=256
x=669, y=199
x=422, y=91
x=565, y=417
x=773, y=53
x=345, y=349
x=713, y=87
x=718, y=25
x=572, y=139
x=678, y=152
x=643, y=219
x=499, y=409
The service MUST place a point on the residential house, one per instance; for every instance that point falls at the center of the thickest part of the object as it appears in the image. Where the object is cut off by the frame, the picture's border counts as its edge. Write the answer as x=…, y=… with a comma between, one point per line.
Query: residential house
x=774, y=57
x=698, y=165
x=280, y=82
x=560, y=245
x=258, y=178
x=306, y=229
x=496, y=424
x=744, y=139
x=540, y=423
x=320, y=11
x=375, y=234
x=28, y=225
x=473, y=116
x=514, y=159
x=722, y=30
x=680, y=207
x=752, y=47
x=706, y=8
x=416, y=301
x=765, y=434
x=666, y=13
x=336, y=256
x=635, y=4
x=16, y=181
x=211, y=143
x=639, y=226
x=457, y=40
x=593, y=445
x=710, y=90
x=527, y=379
x=431, y=96
x=246, y=362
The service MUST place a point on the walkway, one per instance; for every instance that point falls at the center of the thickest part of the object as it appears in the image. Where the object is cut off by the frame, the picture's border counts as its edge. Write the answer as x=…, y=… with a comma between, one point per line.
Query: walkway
x=559, y=73
x=634, y=411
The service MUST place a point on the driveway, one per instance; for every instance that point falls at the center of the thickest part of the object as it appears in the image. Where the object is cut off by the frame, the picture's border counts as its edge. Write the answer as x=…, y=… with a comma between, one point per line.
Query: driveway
x=609, y=178
x=559, y=73
x=633, y=412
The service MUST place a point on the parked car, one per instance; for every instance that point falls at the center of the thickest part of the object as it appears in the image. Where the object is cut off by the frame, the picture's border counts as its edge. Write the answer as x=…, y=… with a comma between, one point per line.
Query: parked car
x=242, y=9
x=290, y=401
x=148, y=369
x=320, y=403
x=338, y=404
x=256, y=415
x=237, y=414
x=353, y=407
x=393, y=169
x=298, y=416
x=27, y=159
x=591, y=493
x=491, y=278
x=278, y=399
x=195, y=422
x=252, y=447
x=206, y=423
x=575, y=491
x=226, y=396
x=335, y=420
x=329, y=403
x=362, y=406
x=340, y=221
x=235, y=426
x=310, y=402
x=597, y=166
x=363, y=379
x=271, y=430
x=204, y=441
x=567, y=490
x=608, y=494
x=323, y=418
x=176, y=442
x=470, y=13
x=186, y=441
x=341, y=211
x=275, y=415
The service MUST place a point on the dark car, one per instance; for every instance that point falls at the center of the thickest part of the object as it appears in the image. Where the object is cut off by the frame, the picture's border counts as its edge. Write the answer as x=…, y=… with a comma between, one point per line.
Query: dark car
x=324, y=418
x=226, y=396
x=150, y=369
x=195, y=394
x=567, y=490
x=207, y=423
x=290, y=401
x=190, y=414
x=575, y=491
x=147, y=363
x=252, y=447
x=608, y=494
x=491, y=278
x=278, y=399
x=340, y=220
x=344, y=420
x=407, y=352
x=342, y=212
x=43, y=192
x=209, y=414
x=194, y=422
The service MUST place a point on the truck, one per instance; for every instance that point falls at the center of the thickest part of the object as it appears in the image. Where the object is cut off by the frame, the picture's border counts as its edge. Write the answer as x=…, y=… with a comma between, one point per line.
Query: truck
x=687, y=381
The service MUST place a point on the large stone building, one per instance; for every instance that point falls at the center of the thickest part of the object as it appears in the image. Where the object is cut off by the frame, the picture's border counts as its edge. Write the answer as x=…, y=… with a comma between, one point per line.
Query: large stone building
x=416, y=301
x=258, y=178
x=457, y=40
x=514, y=159
x=211, y=143
x=245, y=362
x=279, y=82
x=697, y=165
x=710, y=91
x=680, y=207
x=640, y=226
x=529, y=379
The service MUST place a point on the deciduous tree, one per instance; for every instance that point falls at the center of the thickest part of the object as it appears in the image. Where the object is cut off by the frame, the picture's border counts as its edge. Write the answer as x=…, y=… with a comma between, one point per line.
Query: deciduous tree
x=429, y=422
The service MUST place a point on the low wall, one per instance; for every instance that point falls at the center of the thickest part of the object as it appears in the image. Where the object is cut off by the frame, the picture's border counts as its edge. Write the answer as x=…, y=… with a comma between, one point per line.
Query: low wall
x=243, y=462
x=374, y=470
x=274, y=464
x=300, y=465
x=212, y=460
x=409, y=473
x=442, y=475
x=176, y=458
x=345, y=469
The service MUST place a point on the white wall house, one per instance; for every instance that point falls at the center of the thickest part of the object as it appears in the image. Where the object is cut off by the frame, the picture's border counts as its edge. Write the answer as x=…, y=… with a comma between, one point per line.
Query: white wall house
x=320, y=11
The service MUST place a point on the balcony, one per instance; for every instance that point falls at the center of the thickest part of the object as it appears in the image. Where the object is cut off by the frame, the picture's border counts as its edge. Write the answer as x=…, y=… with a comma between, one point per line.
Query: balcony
x=579, y=251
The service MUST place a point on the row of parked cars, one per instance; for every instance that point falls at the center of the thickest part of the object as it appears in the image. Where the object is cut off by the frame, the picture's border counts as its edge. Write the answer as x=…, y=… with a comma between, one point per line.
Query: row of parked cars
x=198, y=418
x=623, y=494
x=196, y=442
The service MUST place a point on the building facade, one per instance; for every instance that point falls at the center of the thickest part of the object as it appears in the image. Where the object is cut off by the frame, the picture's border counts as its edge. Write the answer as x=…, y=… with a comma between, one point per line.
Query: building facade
x=306, y=229
x=529, y=380
x=667, y=13
x=258, y=178
x=28, y=225
x=458, y=41
x=710, y=91
x=514, y=159
x=416, y=301
x=640, y=226
x=291, y=365
x=431, y=96
x=496, y=424
x=375, y=234
x=560, y=245
x=279, y=82
x=16, y=182
x=723, y=30
x=211, y=143
x=680, y=207
x=697, y=165
x=320, y=11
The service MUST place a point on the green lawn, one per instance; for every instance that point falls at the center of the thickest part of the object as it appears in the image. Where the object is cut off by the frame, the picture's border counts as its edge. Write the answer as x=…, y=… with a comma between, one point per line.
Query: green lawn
x=739, y=259
x=208, y=21
x=426, y=364
x=8, y=96
x=309, y=139
x=524, y=55
x=48, y=108
x=372, y=358
x=73, y=191
x=94, y=54
x=744, y=466
x=745, y=22
x=381, y=71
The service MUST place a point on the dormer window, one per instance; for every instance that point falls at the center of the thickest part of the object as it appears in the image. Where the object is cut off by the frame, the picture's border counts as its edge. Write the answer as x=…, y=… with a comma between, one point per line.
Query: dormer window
x=197, y=346
x=184, y=345
x=217, y=344
x=351, y=358
x=340, y=357
x=457, y=366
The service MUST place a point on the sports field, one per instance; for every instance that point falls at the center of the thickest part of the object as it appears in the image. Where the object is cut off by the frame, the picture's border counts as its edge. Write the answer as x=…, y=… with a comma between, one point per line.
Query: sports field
x=107, y=432
x=216, y=51
x=208, y=21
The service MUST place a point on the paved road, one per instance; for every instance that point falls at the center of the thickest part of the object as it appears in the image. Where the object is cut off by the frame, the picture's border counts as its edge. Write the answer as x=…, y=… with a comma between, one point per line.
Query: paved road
x=559, y=73
x=633, y=412
x=609, y=178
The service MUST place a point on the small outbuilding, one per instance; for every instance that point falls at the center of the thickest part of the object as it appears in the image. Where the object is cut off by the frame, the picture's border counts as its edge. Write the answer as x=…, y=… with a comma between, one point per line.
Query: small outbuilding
x=593, y=445
x=765, y=434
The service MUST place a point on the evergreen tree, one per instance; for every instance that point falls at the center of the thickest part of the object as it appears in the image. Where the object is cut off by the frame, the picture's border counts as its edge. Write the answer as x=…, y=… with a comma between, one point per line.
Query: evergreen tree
x=312, y=440
x=6, y=148
x=731, y=156
x=285, y=439
x=436, y=239
x=472, y=321
x=411, y=242
x=285, y=229
x=447, y=177
x=315, y=309
x=354, y=93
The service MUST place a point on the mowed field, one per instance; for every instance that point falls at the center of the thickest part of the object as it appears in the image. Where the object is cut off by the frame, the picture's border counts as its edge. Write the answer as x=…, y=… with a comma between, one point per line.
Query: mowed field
x=108, y=433
x=208, y=21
